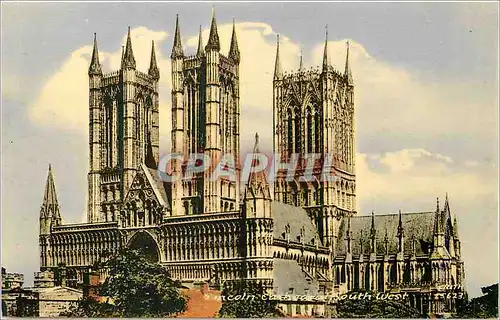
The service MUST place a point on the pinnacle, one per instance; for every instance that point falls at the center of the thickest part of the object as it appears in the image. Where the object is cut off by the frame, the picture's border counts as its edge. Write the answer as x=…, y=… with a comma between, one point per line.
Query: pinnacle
x=128, y=55
x=234, y=52
x=95, y=65
x=213, y=38
x=177, y=47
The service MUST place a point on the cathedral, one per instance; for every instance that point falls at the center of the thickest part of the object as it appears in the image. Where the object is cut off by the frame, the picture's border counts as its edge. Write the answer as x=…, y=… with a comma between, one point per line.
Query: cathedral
x=294, y=237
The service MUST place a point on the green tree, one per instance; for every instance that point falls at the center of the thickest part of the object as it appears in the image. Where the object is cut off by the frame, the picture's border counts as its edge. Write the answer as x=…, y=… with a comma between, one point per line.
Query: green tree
x=135, y=287
x=374, y=308
x=485, y=306
x=247, y=299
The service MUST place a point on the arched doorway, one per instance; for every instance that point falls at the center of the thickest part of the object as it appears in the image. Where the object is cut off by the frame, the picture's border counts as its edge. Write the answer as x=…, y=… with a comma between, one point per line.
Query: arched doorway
x=146, y=245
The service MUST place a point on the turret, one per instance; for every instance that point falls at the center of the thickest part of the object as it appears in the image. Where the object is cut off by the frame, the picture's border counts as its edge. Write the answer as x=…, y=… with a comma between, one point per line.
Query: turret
x=153, y=70
x=439, y=251
x=234, y=51
x=178, y=130
x=212, y=187
x=49, y=211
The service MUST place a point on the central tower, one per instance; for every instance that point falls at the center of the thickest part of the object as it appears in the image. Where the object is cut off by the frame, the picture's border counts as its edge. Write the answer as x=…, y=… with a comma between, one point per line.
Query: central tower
x=205, y=120
x=314, y=129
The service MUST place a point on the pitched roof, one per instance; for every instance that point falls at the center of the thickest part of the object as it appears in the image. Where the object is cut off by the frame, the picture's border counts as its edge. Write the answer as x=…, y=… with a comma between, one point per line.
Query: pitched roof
x=296, y=217
x=288, y=274
x=418, y=225
x=157, y=184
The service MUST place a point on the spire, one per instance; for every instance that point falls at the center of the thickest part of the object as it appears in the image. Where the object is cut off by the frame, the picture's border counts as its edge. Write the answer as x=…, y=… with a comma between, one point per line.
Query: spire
x=301, y=66
x=213, y=39
x=446, y=204
x=256, y=179
x=277, y=63
x=413, y=247
x=400, y=233
x=201, y=51
x=438, y=223
x=95, y=66
x=177, y=47
x=325, y=52
x=128, y=56
x=455, y=227
x=234, y=52
x=153, y=70
x=400, y=224
x=50, y=205
x=347, y=72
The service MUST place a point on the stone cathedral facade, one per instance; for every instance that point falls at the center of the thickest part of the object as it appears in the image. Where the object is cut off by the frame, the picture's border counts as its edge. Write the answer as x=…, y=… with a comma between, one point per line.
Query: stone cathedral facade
x=305, y=238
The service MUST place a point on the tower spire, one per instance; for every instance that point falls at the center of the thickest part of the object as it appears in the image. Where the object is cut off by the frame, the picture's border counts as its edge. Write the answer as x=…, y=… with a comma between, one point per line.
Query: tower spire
x=128, y=56
x=325, y=52
x=177, y=47
x=277, y=63
x=234, y=51
x=153, y=70
x=50, y=204
x=200, y=52
x=95, y=65
x=213, y=38
x=348, y=73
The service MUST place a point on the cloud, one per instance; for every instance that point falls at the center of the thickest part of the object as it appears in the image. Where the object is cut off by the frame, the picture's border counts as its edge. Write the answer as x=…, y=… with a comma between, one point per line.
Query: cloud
x=63, y=101
x=411, y=179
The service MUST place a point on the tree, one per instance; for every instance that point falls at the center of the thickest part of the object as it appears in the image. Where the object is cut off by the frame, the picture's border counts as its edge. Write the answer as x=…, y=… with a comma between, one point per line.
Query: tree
x=485, y=306
x=374, y=308
x=135, y=287
x=247, y=299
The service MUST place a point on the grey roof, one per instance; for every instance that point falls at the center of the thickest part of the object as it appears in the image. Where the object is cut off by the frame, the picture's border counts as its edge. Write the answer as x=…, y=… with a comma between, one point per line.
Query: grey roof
x=296, y=217
x=157, y=184
x=419, y=225
x=288, y=274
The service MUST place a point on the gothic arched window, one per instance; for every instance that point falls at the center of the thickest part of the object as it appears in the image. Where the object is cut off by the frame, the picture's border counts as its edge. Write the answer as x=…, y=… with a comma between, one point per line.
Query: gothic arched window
x=310, y=130
x=297, y=131
x=290, y=131
x=317, y=131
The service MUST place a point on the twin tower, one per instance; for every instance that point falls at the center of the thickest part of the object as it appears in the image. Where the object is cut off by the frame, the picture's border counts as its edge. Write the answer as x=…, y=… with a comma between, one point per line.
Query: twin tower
x=313, y=113
x=124, y=126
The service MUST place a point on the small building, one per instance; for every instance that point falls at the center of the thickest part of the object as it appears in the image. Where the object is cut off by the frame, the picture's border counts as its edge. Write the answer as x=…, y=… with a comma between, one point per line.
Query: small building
x=11, y=280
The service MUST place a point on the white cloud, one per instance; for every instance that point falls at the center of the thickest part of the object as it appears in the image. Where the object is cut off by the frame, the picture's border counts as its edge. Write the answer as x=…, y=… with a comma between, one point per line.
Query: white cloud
x=63, y=101
x=411, y=179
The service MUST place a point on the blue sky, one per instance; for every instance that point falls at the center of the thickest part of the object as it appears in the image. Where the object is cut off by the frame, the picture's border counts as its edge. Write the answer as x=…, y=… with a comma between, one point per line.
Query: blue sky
x=426, y=79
